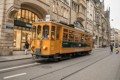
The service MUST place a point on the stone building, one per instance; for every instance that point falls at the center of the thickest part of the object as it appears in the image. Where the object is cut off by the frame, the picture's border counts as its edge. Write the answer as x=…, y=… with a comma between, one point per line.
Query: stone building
x=78, y=11
x=90, y=16
x=115, y=36
x=101, y=29
x=18, y=15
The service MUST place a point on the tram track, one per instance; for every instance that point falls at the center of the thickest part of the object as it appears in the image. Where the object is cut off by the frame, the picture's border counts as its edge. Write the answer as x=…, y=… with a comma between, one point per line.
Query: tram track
x=83, y=68
x=34, y=78
x=20, y=67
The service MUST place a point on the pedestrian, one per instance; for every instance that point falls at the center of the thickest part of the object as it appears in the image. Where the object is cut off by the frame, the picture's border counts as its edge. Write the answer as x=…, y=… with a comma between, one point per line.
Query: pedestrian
x=26, y=47
x=117, y=50
x=111, y=47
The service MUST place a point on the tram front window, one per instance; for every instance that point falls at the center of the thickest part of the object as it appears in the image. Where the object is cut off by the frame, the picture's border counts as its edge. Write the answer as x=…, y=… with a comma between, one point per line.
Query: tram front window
x=34, y=32
x=38, y=32
x=45, y=32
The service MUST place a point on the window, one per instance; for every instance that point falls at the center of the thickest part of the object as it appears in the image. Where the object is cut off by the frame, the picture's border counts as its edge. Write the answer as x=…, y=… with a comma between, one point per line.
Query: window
x=38, y=31
x=45, y=32
x=65, y=35
x=71, y=36
x=76, y=37
x=23, y=13
x=19, y=15
x=26, y=16
x=53, y=6
x=57, y=33
x=53, y=33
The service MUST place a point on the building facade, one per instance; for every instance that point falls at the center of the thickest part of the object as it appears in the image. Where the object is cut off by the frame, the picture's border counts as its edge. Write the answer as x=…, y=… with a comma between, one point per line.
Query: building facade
x=78, y=11
x=115, y=37
x=17, y=17
x=101, y=26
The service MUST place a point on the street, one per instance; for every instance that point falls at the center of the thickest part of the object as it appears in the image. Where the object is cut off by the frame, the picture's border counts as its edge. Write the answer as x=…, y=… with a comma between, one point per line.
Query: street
x=100, y=65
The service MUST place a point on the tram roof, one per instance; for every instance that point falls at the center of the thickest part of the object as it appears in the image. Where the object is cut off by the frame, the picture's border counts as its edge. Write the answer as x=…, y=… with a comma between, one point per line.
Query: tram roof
x=60, y=24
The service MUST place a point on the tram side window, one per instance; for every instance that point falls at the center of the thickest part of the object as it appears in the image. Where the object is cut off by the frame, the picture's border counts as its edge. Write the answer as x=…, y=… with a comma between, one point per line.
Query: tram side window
x=46, y=32
x=82, y=38
x=57, y=33
x=71, y=36
x=88, y=41
x=76, y=37
x=83, y=41
x=79, y=37
x=65, y=35
x=53, y=33
x=38, y=31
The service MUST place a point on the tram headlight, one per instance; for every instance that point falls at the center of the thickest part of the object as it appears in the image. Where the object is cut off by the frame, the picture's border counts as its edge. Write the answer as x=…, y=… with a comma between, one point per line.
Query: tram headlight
x=44, y=47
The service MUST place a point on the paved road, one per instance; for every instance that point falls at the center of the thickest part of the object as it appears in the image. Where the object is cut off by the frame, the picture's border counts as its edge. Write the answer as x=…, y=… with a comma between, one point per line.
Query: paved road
x=81, y=68
x=15, y=63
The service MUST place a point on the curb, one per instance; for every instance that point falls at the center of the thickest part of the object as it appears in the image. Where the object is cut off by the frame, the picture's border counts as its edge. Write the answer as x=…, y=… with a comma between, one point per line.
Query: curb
x=14, y=59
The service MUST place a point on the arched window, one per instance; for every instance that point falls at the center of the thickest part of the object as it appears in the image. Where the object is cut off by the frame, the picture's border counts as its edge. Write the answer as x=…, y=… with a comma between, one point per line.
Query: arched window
x=25, y=15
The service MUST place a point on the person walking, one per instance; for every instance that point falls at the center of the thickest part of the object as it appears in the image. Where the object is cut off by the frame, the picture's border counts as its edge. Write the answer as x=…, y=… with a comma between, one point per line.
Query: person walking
x=117, y=50
x=26, y=47
x=111, y=48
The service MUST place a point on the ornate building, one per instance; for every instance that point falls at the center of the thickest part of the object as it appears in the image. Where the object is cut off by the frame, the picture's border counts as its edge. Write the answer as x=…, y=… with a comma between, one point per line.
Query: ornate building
x=101, y=29
x=17, y=17
x=115, y=37
x=78, y=11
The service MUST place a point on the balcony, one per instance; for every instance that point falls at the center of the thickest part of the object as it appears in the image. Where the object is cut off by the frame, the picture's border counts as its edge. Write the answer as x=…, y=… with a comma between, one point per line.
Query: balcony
x=81, y=16
x=83, y=2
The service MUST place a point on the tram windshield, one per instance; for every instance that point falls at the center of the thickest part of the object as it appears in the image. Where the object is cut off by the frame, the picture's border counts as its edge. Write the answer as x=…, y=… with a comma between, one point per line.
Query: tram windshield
x=46, y=32
x=41, y=32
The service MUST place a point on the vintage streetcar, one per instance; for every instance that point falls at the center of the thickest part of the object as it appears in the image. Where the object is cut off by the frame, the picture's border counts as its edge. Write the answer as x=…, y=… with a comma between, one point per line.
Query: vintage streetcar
x=56, y=40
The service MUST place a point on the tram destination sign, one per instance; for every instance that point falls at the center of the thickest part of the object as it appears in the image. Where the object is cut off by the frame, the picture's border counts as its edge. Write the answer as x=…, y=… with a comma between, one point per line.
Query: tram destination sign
x=22, y=24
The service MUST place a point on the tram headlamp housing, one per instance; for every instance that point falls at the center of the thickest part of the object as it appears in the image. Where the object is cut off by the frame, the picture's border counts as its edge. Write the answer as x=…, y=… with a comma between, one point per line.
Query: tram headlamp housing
x=44, y=47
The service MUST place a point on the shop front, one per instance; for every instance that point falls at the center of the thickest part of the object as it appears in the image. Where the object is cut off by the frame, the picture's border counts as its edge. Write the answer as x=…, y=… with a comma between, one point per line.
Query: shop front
x=23, y=28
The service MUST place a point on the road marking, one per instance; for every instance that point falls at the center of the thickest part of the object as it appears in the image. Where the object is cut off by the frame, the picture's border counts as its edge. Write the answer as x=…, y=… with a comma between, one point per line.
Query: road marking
x=14, y=75
x=16, y=67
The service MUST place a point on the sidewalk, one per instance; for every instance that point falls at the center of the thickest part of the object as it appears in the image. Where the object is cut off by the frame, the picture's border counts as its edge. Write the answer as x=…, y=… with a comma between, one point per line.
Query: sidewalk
x=17, y=55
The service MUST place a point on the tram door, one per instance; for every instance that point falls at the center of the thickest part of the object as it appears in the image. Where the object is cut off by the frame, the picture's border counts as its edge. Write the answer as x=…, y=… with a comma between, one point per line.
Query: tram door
x=55, y=39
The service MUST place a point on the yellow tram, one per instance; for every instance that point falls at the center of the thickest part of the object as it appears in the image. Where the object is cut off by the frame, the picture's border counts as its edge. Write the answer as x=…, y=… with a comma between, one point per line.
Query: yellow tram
x=55, y=40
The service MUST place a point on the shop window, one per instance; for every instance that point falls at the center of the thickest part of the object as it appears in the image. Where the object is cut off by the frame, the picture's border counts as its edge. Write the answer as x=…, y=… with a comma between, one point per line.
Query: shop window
x=46, y=32
x=19, y=15
x=33, y=17
x=23, y=13
x=29, y=15
x=36, y=18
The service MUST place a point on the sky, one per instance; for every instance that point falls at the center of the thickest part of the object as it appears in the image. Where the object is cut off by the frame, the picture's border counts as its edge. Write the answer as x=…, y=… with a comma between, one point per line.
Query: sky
x=114, y=12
